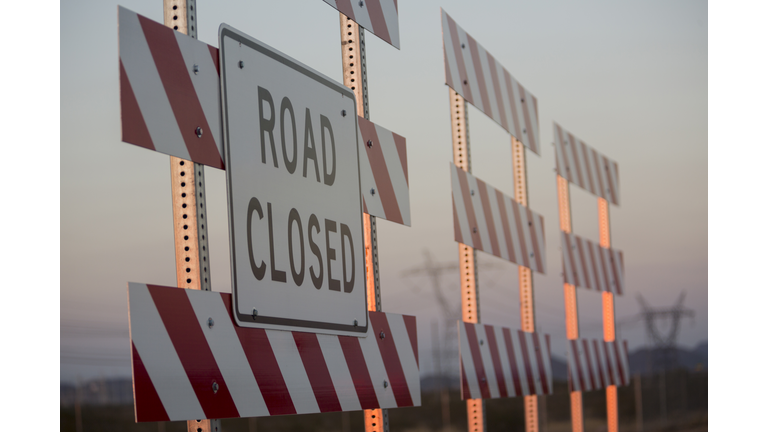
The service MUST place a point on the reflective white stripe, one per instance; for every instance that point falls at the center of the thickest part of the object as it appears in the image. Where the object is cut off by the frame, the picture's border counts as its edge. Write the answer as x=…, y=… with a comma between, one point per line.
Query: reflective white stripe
x=497, y=222
x=292, y=369
x=500, y=72
x=469, y=65
x=376, y=369
x=538, y=226
x=534, y=134
x=520, y=363
x=504, y=359
x=390, y=17
x=361, y=15
x=527, y=237
x=510, y=204
x=159, y=356
x=469, y=364
x=533, y=362
x=337, y=368
x=477, y=205
x=485, y=356
x=205, y=81
x=406, y=356
x=450, y=55
x=372, y=202
x=228, y=353
x=151, y=97
x=490, y=89
x=461, y=210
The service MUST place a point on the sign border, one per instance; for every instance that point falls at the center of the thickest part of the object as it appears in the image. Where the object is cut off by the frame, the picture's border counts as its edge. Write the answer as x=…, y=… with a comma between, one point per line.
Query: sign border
x=243, y=320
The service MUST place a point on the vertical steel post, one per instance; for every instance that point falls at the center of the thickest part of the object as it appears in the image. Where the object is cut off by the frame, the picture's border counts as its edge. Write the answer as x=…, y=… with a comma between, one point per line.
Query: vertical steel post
x=470, y=296
x=569, y=294
x=609, y=317
x=188, y=199
x=525, y=276
x=356, y=78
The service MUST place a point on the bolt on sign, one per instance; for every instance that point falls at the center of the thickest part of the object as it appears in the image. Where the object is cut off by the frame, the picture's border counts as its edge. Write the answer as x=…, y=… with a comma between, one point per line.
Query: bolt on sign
x=293, y=184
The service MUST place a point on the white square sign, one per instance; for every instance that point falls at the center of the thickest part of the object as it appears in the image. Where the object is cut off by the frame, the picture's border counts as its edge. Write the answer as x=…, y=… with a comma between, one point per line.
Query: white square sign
x=293, y=185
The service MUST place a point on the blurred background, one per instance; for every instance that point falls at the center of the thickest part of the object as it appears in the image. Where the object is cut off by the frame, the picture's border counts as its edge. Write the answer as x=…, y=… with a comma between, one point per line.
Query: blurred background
x=629, y=79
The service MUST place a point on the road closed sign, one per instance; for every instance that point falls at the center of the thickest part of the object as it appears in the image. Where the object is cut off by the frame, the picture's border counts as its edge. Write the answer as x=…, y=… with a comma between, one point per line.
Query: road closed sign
x=293, y=185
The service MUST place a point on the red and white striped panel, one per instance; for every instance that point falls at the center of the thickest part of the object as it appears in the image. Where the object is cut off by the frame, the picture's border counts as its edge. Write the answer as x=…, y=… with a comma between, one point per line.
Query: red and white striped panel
x=486, y=219
x=588, y=265
x=384, y=173
x=497, y=362
x=191, y=361
x=169, y=87
x=474, y=74
x=584, y=167
x=377, y=16
x=595, y=364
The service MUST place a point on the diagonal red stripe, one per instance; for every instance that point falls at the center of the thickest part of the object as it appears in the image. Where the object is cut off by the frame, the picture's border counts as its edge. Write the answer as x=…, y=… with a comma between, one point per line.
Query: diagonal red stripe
x=537, y=252
x=478, y=65
x=380, y=172
x=608, y=356
x=540, y=362
x=525, y=260
x=181, y=93
x=456, y=227
x=474, y=231
x=463, y=89
x=527, y=362
x=588, y=357
x=465, y=393
x=377, y=20
x=619, y=364
x=391, y=360
x=512, y=361
x=147, y=404
x=358, y=370
x=215, y=57
x=400, y=146
x=512, y=105
x=132, y=121
x=317, y=371
x=188, y=339
x=263, y=364
x=483, y=191
x=501, y=202
x=600, y=366
x=410, y=327
x=577, y=361
x=477, y=359
x=496, y=359
x=497, y=91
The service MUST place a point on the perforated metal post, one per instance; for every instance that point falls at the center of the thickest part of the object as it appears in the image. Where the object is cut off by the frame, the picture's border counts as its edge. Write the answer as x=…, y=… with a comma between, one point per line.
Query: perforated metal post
x=609, y=317
x=470, y=296
x=356, y=78
x=188, y=199
x=525, y=276
x=569, y=293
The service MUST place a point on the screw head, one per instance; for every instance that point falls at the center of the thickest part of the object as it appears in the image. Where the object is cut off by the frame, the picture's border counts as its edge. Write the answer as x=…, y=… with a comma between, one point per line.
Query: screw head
x=195, y=69
x=343, y=113
x=382, y=335
x=386, y=384
x=373, y=191
x=210, y=322
x=370, y=143
x=524, y=131
x=472, y=192
x=482, y=341
x=465, y=82
x=355, y=323
x=361, y=3
x=215, y=387
x=474, y=230
x=462, y=46
x=522, y=100
x=241, y=64
x=199, y=132
x=255, y=313
x=482, y=379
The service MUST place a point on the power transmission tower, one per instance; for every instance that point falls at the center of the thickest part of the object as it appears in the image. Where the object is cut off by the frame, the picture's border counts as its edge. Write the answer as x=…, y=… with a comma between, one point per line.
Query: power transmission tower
x=663, y=353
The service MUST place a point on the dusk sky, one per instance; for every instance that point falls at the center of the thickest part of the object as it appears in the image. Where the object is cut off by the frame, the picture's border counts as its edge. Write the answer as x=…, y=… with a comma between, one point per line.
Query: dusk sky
x=629, y=79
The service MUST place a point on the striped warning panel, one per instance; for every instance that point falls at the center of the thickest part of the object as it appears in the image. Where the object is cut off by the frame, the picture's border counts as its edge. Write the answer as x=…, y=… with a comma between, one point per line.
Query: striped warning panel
x=588, y=265
x=476, y=75
x=584, y=167
x=169, y=91
x=486, y=219
x=384, y=173
x=191, y=361
x=595, y=364
x=377, y=16
x=497, y=362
